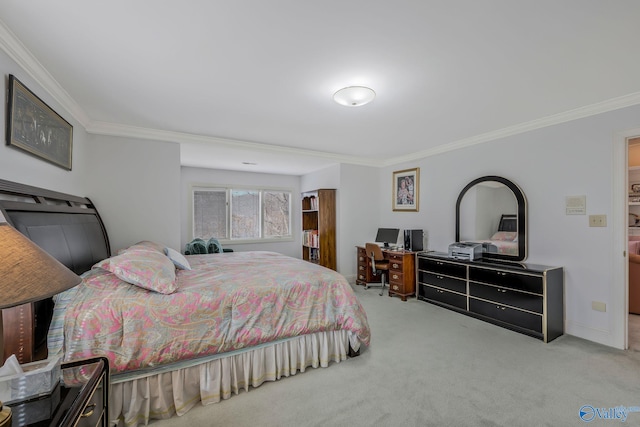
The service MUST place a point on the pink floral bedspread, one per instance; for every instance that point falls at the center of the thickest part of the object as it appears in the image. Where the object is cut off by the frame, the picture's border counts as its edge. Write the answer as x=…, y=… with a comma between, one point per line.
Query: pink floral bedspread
x=226, y=302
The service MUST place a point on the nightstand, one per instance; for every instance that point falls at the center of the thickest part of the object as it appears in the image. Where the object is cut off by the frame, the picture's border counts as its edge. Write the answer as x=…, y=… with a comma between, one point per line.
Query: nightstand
x=81, y=399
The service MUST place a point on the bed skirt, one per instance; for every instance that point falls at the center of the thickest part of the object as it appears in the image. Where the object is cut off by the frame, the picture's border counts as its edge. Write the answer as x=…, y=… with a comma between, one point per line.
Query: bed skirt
x=136, y=398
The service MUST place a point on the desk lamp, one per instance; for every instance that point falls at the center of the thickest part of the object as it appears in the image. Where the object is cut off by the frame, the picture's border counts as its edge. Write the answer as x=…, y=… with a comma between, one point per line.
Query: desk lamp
x=27, y=274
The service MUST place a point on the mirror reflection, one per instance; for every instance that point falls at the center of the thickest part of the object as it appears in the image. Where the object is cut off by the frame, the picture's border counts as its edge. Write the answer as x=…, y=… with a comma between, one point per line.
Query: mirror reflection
x=491, y=211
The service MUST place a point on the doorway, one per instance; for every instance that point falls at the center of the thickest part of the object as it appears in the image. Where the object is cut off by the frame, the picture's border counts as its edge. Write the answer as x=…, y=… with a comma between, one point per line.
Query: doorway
x=633, y=282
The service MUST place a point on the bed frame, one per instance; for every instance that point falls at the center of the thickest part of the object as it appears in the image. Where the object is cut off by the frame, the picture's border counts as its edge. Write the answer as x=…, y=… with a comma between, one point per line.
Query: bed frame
x=71, y=230
x=67, y=227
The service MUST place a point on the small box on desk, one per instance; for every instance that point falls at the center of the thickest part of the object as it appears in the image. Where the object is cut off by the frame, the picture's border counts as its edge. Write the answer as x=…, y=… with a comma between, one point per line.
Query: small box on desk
x=38, y=379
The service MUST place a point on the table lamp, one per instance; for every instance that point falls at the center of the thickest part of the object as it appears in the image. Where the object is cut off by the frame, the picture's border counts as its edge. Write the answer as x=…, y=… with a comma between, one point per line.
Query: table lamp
x=27, y=274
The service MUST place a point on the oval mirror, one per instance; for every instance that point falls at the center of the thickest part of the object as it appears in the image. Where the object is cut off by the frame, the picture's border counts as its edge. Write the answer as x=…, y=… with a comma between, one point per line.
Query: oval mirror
x=492, y=210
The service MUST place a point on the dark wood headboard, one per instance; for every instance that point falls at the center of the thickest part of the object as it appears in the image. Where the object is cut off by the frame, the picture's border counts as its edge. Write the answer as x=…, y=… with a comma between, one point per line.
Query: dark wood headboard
x=67, y=227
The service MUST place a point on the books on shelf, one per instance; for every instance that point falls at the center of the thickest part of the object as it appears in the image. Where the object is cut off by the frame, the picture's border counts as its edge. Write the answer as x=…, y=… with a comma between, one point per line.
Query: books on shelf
x=313, y=203
x=310, y=238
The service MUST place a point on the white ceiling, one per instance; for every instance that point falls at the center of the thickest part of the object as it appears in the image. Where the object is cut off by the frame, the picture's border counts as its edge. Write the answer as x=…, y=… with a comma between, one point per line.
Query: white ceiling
x=252, y=80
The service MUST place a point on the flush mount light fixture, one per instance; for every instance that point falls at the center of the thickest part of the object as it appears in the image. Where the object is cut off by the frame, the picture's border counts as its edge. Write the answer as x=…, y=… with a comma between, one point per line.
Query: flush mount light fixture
x=354, y=96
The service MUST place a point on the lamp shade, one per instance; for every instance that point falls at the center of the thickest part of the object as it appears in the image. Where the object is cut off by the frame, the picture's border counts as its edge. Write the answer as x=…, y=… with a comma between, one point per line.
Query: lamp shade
x=28, y=273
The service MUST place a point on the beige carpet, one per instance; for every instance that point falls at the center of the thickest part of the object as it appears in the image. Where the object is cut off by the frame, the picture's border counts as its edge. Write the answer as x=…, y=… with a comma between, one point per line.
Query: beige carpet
x=428, y=366
x=634, y=332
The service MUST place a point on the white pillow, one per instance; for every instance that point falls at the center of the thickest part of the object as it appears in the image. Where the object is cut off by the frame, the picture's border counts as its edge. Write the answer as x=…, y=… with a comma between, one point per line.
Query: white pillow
x=177, y=258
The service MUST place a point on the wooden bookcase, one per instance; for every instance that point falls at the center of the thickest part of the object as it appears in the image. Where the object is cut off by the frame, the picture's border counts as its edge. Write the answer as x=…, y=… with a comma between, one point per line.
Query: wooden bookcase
x=319, y=227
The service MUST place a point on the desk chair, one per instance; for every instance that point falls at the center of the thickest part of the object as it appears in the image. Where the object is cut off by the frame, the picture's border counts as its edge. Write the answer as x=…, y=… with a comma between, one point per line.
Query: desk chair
x=378, y=263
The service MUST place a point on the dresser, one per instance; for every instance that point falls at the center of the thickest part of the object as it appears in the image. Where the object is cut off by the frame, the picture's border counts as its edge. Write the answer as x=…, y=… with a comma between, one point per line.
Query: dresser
x=402, y=271
x=81, y=399
x=526, y=298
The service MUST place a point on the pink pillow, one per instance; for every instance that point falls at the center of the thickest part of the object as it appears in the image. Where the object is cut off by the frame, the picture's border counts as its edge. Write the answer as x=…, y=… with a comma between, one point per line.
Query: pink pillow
x=144, y=268
x=143, y=245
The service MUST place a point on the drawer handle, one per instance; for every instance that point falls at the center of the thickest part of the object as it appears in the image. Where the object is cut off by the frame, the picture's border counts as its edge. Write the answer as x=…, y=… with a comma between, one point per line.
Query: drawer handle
x=395, y=287
x=361, y=259
x=439, y=263
x=88, y=410
x=395, y=265
x=439, y=291
x=501, y=273
x=439, y=277
x=500, y=308
x=504, y=291
x=361, y=268
x=395, y=276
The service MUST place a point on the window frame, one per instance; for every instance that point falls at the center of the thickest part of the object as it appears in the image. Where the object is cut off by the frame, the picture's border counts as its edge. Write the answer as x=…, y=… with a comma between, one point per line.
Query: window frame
x=228, y=189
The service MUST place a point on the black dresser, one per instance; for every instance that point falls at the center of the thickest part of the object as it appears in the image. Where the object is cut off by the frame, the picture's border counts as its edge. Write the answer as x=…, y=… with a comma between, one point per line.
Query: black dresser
x=526, y=298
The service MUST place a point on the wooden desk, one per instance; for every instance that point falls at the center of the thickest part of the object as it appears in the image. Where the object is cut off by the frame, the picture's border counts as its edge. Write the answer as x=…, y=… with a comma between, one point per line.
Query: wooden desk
x=402, y=271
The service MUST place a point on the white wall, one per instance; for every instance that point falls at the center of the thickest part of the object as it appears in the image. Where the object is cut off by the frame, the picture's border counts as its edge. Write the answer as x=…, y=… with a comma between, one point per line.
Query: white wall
x=141, y=195
x=548, y=164
x=195, y=176
x=135, y=184
x=19, y=166
x=359, y=205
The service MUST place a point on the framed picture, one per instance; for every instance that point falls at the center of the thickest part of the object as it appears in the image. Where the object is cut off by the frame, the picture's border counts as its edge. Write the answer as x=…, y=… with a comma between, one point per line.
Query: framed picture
x=405, y=190
x=34, y=127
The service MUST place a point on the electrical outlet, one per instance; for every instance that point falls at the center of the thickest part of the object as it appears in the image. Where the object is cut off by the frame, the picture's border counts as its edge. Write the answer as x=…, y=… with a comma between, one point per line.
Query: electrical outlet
x=598, y=306
x=597, y=220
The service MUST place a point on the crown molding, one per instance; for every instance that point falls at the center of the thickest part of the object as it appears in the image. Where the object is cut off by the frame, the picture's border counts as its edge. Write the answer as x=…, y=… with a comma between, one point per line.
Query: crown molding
x=25, y=59
x=21, y=55
x=566, y=116
x=127, y=131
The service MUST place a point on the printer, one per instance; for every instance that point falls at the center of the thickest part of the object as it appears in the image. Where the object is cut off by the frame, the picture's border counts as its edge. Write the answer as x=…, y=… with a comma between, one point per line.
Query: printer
x=467, y=251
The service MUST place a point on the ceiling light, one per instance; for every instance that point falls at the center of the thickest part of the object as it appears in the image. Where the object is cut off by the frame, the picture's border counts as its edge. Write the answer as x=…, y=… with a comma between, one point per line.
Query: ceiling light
x=354, y=96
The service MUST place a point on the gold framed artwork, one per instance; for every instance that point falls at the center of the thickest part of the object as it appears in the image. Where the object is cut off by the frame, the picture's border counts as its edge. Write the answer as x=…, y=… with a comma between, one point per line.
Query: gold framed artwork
x=35, y=128
x=405, y=193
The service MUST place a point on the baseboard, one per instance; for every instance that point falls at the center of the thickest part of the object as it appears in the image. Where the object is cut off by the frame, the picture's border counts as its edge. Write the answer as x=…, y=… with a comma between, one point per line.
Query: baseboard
x=600, y=336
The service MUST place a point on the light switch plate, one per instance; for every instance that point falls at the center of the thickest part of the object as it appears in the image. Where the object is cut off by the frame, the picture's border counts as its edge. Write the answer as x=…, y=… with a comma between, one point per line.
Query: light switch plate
x=597, y=220
x=598, y=306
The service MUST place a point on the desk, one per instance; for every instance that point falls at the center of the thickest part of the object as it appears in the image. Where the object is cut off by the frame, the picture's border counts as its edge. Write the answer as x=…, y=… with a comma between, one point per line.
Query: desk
x=402, y=271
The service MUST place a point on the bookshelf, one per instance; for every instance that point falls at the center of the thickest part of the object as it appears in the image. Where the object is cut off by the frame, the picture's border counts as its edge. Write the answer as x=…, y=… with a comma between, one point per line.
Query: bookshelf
x=319, y=227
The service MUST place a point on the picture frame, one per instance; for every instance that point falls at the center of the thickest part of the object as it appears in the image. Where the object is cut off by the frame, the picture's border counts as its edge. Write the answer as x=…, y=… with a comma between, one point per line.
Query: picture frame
x=405, y=186
x=36, y=128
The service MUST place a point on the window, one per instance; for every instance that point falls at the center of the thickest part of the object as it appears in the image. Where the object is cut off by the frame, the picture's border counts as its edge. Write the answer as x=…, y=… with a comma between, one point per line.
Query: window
x=241, y=214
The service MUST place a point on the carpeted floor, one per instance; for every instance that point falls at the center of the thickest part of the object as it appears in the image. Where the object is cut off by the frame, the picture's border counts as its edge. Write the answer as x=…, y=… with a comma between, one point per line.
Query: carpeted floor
x=428, y=366
x=634, y=332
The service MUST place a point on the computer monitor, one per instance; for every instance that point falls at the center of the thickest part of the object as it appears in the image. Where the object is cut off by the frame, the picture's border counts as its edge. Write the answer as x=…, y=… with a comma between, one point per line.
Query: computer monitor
x=387, y=235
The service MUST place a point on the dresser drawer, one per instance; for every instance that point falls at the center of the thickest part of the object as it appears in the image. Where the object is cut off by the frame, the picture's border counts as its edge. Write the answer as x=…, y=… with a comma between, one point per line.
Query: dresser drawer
x=505, y=314
x=441, y=296
x=397, y=287
x=92, y=412
x=507, y=296
x=519, y=281
x=395, y=265
x=396, y=277
x=441, y=281
x=443, y=267
x=394, y=257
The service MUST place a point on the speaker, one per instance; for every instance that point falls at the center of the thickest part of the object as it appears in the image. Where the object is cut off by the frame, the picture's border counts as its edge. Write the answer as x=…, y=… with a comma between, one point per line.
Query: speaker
x=413, y=240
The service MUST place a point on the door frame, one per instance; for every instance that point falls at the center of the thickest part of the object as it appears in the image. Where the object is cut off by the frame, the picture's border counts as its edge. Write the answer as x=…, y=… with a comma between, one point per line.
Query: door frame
x=620, y=233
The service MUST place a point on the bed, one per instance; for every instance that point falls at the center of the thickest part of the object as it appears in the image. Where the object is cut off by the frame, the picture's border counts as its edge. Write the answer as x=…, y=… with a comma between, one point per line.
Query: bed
x=178, y=334
x=505, y=239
